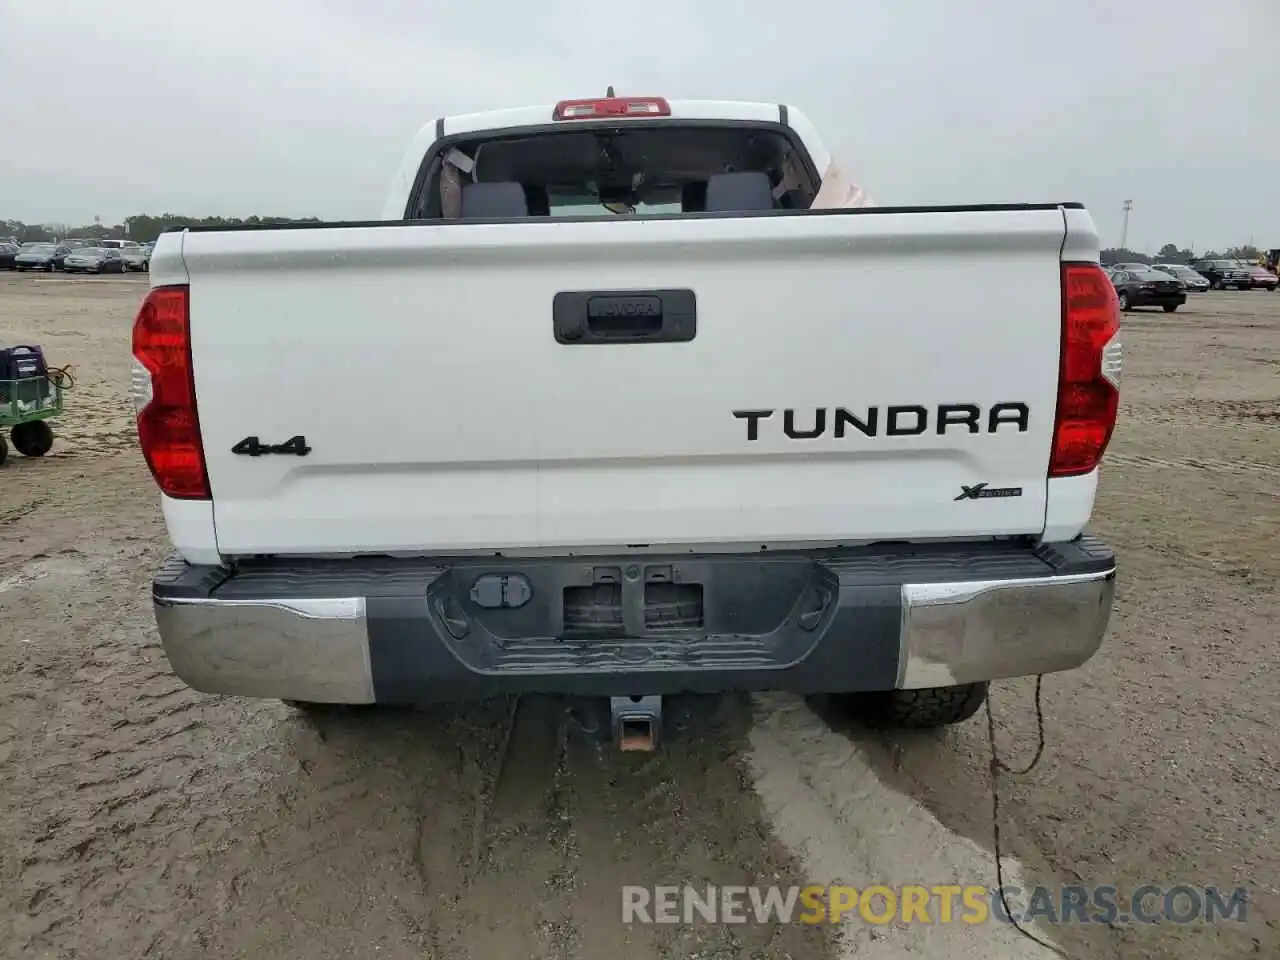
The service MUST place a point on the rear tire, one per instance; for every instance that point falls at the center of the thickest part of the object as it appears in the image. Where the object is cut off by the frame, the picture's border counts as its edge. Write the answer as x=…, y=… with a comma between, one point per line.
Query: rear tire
x=1170, y=307
x=32, y=439
x=922, y=709
x=1124, y=302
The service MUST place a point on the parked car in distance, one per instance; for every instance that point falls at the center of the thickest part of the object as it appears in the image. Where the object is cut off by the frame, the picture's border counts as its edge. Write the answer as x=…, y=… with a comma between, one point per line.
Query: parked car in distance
x=1180, y=271
x=137, y=258
x=76, y=243
x=8, y=251
x=1263, y=279
x=1148, y=288
x=1223, y=274
x=41, y=256
x=94, y=260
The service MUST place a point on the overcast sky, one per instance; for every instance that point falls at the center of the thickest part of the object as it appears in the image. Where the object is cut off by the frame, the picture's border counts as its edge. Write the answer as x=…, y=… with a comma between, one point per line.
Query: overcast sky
x=303, y=107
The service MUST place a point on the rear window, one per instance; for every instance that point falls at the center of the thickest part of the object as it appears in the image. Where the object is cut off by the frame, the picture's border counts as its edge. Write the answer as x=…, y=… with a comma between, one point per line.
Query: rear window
x=611, y=170
x=1148, y=276
x=587, y=205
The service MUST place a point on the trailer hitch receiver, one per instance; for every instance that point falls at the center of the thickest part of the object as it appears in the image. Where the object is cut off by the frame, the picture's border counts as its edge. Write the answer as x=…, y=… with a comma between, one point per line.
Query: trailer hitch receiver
x=636, y=722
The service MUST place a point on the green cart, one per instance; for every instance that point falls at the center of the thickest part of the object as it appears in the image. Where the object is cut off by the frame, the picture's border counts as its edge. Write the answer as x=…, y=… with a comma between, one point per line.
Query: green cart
x=26, y=407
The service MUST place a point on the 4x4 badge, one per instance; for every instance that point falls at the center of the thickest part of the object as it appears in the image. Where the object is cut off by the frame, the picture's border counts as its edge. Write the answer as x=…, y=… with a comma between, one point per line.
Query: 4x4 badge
x=253, y=447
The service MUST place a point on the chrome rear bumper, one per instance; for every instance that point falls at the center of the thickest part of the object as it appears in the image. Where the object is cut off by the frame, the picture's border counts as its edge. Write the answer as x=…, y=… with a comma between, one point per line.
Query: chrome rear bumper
x=965, y=632
x=298, y=649
x=858, y=620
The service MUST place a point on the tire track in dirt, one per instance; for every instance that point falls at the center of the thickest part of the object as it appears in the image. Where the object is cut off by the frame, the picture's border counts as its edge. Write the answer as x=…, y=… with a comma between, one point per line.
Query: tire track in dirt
x=1235, y=467
x=853, y=829
x=1204, y=412
x=517, y=833
x=568, y=821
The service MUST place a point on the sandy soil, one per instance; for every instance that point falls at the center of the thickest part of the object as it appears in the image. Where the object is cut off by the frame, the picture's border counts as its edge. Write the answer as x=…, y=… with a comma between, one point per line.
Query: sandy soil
x=138, y=818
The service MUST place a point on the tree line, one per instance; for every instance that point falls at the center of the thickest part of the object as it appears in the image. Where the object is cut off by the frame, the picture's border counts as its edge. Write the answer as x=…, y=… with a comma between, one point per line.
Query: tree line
x=143, y=228
x=1172, y=253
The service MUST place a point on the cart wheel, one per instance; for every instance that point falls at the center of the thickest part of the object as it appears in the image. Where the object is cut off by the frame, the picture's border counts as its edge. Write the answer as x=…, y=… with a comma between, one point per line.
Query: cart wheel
x=33, y=438
x=4, y=451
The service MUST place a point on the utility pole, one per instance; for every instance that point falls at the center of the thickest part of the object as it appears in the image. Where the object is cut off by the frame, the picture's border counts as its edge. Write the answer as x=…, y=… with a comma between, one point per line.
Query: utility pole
x=1124, y=229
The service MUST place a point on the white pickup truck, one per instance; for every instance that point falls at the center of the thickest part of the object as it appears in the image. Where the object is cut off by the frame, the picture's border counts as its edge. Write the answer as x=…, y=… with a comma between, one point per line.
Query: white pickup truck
x=602, y=407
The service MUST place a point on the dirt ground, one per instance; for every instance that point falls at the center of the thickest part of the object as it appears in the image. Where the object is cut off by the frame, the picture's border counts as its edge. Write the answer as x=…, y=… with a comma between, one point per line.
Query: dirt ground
x=138, y=818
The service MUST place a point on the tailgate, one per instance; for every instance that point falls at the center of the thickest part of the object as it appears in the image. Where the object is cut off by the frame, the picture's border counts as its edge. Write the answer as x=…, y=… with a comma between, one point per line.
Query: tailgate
x=842, y=377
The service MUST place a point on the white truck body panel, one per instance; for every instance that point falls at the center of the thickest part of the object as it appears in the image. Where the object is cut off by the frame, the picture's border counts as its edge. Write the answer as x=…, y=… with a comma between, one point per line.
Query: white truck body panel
x=419, y=362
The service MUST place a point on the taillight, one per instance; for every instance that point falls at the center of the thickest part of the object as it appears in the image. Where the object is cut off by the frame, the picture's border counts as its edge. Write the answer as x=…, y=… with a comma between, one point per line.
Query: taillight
x=164, y=393
x=1089, y=371
x=610, y=108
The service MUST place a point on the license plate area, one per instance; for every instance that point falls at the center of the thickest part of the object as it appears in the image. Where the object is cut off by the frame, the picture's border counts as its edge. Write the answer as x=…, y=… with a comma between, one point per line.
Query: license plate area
x=598, y=609
x=673, y=606
x=626, y=597
x=606, y=606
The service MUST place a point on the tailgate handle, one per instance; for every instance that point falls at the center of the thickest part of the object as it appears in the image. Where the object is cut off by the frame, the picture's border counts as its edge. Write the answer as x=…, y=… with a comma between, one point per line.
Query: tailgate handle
x=624, y=316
